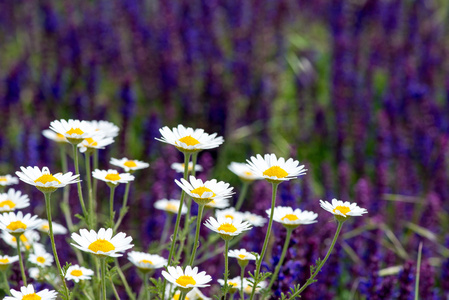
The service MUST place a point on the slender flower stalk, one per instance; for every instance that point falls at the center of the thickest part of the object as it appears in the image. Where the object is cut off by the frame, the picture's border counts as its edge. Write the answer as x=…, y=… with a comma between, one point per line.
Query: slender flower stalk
x=80, y=191
x=168, y=220
x=226, y=274
x=89, y=187
x=111, y=205
x=124, y=281
x=65, y=198
x=281, y=261
x=242, y=275
x=124, y=207
x=6, y=282
x=95, y=182
x=242, y=195
x=103, y=277
x=197, y=234
x=22, y=269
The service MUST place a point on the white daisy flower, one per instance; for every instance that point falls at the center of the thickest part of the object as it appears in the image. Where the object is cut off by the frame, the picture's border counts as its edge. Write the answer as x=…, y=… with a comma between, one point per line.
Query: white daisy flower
x=170, y=206
x=112, y=176
x=6, y=260
x=105, y=128
x=56, y=137
x=57, y=228
x=342, y=210
x=13, y=200
x=254, y=219
x=241, y=254
x=229, y=213
x=129, y=164
x=188, y=279
x=77, y=273
x=17, y=224
x=243, y=171
x=41, y=258
x=8, y=180
x=189, y=139
x=28, y=293
x=28, y=239
x=275, y=170
x=235, y=283
x=204, y=193
x=292, y=218
x=248, y=286
x=75, y=131
x=44, y=180
x=218, y=203
x=180, y=167
x=95, y=142
x=227, y=227
x=102, y=243
x=146, y=262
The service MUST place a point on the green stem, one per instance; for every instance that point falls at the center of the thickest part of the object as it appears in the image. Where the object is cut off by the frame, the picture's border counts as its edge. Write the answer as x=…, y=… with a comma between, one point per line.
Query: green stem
x=233, y=242
x=197, y=234
x=6, y=282
x=267, y=237
x=183, y=296
x=103, y=277
x=80, y=192
x=242, y=275
x=168, y=220
x=226, y=268
x=65, y=198
x=22, y=269
x=318, y=269
x=146, y=287
x=89, y=188
x=111, y=205
x=189, y=210
x=95, y=183
x=124, y=206
x=281, y=261
x=53, y=245
x=124, y=281
x=114, y=289
x=242, y=195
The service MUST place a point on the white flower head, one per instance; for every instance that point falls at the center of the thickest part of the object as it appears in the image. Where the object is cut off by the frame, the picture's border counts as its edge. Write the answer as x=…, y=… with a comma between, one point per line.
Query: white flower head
x=95, y=142
x=204, y=193
x=248, y=286
x=102, y=243
x=6, y=260
x=170, y=206
x=342, y=210
x=275, y=170
x=241, y=254
x=254, y=219
x=8, y=180
x=188, y=279
x=292, y=218
x=17, y=224
x=44, y=180
x=218, y=203
x=57, y=228
x=56, y=137
x=27, y=240
x=227, y=227
x=77, y=273
x=105, y=128
x=145, y=261
x=75, y=131
x=180, y=167
x=235, y=283
x=195, y=294
x=189, y=139
x=41, y=258
x=243, y=171
x=13, y=200
x=112, y=176
x=129, y=165
x=229, y=213
x=28, y=293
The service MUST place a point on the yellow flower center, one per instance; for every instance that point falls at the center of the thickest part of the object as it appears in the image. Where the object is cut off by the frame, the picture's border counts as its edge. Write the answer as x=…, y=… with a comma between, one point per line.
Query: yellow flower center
x=189, y=141
x=91, y=142
x=227, y=227
x=171, y=207
x=130, y=164
x=233, y=284
x=101, y=245
x=343, y=209
x=112, y=177
x=47, y=178
x=76, y=273
x=248, y=173
x=3, y=178
x=60, y=136
x=275, y=171
x=7, y=203
x=75, y=131
x=13, y=226
x=177, y=296
x=230, y=217
x=4, y=260
x=45, y=227
x=32, y=296
x=241, y=256
x=290, y=217
x=184, y=280
x=22, y=238
x=40, y=259
x=146, y=261
x=200, y=191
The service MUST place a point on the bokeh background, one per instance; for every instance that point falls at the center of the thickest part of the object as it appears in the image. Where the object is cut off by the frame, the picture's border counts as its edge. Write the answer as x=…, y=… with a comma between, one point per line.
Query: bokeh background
x=356, y=90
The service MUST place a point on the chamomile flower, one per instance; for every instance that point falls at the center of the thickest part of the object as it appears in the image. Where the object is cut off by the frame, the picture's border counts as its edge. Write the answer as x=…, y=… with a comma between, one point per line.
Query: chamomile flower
x=292, y=218
x=8, y=180
x=275, y=170
x=194, y=294
x=254, y=219
x=129, y=165
x=57, y=228
x=35, y=273
x=227, y=227
x=17, y=224
x=342, y=210
x=44, y=180
x=204, y=193
x=218, y=203
x=112, y=176
x=235, y=283
x=189, y=139
x=75, y=131
x=229, y=213
x=77, y=273
x=180, y=167
x=248, y=286
x=241, y=254
x=243, y=171
x=105, y=128
x=6, y=260
x=146, y=262
x=102, y=243
x=13, y=200
x=56, y=137
x=95, y=142
x=170, y=206
x=41, y=258
x=28, y=239
x=188, y=279
x=28, y=293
